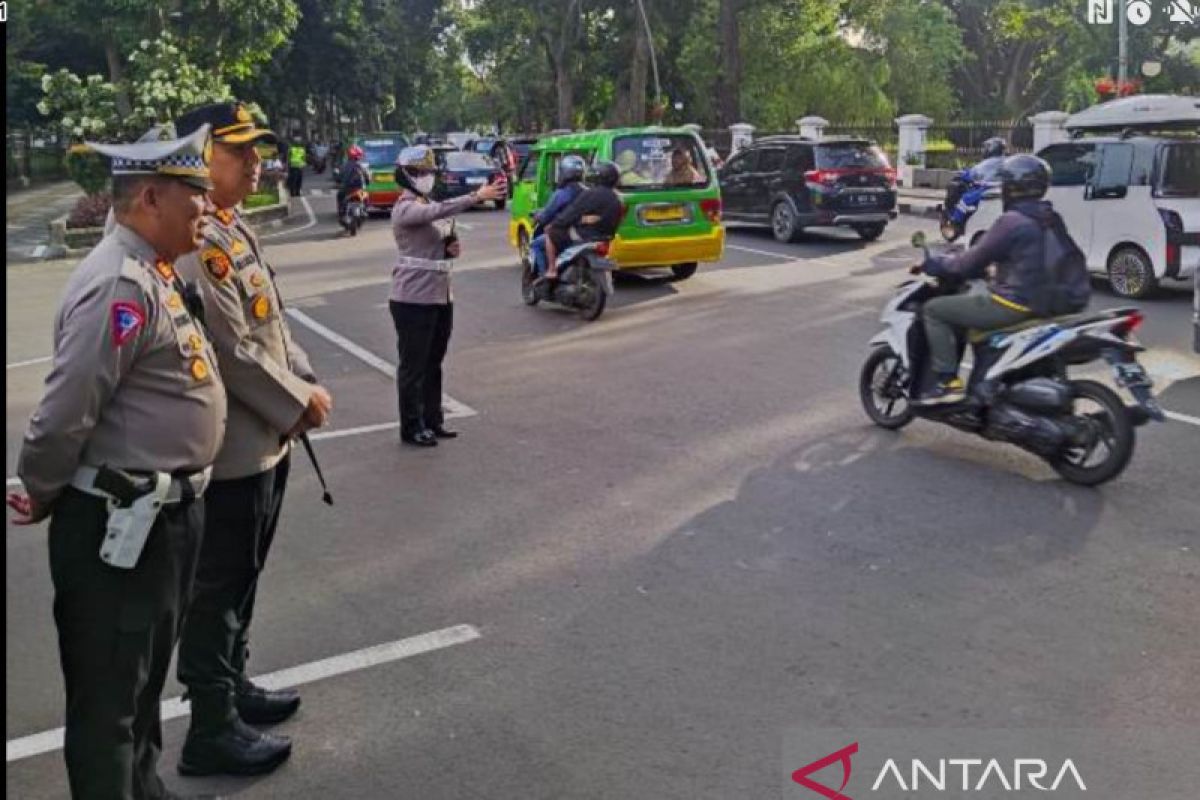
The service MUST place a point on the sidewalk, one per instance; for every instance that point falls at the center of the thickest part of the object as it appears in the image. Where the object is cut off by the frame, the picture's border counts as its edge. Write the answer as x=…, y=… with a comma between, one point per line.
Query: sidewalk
x=919, y=201
x=29, y=212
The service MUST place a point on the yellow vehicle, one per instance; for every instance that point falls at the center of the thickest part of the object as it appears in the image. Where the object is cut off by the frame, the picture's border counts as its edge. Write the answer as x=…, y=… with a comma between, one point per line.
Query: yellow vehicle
x=669, y=188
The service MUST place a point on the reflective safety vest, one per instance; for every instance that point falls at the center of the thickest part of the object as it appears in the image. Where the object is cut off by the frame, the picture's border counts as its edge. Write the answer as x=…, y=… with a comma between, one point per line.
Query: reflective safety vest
x=296, y=156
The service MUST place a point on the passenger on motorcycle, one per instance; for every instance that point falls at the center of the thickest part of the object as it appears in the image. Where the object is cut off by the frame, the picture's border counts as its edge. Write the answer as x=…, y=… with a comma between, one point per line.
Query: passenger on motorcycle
x=1019, y=286
x=354, y=175
x=570, y=186
x=595, y=215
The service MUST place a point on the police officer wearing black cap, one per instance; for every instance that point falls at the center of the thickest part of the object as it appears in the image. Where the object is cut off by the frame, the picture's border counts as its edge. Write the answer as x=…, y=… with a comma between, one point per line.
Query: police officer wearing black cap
x=273, y=397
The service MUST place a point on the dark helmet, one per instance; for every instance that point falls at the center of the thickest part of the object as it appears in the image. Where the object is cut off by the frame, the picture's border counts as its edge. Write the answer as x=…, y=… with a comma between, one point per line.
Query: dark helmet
x=571, y=170
x=1023, y=177
x=995, y=147
x=604, y=173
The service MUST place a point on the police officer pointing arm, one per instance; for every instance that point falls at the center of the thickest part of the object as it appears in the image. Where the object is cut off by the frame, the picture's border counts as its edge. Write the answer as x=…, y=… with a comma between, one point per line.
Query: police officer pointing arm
x=117, y=454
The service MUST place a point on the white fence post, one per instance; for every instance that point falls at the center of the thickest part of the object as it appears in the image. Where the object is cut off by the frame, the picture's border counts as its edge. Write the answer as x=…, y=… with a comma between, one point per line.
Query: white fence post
x=741, y=135
x=813, y=127
x=1049, y=127
x=911, y=151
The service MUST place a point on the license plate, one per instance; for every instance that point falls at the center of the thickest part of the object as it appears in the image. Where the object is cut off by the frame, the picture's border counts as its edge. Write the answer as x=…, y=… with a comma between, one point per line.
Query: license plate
x=663, y=214
x=861, y=200
x=476, y=181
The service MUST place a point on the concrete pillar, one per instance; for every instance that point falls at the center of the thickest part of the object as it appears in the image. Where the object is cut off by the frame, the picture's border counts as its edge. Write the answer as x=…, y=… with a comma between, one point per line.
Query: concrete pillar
x=912, y=139
x=1048, y=128
x=813, y=127
x=742, y=135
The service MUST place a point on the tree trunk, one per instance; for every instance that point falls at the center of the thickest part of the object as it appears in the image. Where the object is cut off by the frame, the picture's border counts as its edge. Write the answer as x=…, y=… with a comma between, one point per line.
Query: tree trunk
x=116, y=76
x=729, y=72
x=640, y=65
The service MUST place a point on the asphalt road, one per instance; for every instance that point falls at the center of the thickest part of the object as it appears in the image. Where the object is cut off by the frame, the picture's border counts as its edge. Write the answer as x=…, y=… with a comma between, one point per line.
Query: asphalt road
x=674, y=535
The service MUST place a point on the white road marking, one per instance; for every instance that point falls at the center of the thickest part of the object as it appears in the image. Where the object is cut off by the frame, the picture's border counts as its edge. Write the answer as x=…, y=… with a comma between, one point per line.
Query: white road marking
x=784, y=256
x=49, y=741
x=1188, y=418
x=12, y=482
x=29, y=363
x=39, y=250
x=338, y=434
x=452, y=406
x=312, y=220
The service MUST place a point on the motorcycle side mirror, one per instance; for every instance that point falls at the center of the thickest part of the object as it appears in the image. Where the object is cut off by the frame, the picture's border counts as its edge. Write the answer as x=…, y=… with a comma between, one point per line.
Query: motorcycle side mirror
x=918, y=239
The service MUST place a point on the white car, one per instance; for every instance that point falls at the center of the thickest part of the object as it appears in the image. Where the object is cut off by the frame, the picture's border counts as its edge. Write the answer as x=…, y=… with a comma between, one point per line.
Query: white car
x=1130, y=200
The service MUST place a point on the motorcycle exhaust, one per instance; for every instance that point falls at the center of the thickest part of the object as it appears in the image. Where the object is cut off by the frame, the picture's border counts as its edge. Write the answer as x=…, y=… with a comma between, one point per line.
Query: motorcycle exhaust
x=1040, y=394
x=1040, y=435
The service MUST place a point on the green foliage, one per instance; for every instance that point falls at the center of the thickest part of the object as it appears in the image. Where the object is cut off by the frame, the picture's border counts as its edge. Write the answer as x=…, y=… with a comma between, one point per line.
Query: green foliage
x=88, y=169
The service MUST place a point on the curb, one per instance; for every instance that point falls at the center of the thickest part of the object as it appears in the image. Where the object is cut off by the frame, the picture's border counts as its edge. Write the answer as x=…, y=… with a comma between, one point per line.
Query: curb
x=919, y=210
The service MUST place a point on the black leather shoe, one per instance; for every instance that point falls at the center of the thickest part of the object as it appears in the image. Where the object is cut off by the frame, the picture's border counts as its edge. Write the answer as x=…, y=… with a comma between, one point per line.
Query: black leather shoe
x=236, y=749
x=259, y=706
x=421, y=439
x=442, y=432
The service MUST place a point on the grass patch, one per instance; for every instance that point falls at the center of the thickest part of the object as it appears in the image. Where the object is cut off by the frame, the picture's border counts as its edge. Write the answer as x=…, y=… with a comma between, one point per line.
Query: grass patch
x=265, y=196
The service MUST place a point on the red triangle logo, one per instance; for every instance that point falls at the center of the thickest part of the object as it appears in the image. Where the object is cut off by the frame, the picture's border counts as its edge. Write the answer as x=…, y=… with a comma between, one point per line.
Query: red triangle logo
x=801, y=776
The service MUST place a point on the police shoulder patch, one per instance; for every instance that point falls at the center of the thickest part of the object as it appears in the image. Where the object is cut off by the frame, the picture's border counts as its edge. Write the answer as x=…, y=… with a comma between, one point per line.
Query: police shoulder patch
x=216, y=262
x=126, y=318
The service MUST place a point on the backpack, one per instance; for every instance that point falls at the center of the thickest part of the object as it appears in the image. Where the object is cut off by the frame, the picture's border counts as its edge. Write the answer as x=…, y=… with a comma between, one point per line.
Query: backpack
x=1068, y=286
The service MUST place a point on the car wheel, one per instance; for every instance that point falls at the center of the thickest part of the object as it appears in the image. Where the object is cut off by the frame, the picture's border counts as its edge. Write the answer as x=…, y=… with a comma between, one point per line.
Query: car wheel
x=1131, y=274
x=783, y=223
x=684, y=271
x=500, y=204
x=869, y=233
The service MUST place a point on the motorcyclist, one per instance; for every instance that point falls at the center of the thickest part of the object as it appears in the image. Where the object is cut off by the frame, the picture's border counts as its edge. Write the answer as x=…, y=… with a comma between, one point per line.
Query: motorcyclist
x=1016, y=290
x=594, y=215
x=570, y=186
x=969, y=186
x=354, y=175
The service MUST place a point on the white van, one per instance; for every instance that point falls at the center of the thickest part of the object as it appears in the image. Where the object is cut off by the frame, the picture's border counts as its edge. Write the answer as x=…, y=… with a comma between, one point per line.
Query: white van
x=1128, y=188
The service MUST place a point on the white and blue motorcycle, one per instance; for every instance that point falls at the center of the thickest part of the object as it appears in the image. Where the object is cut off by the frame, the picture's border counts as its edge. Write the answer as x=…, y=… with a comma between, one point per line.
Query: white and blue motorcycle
x=584, y=280
x=1019, y=391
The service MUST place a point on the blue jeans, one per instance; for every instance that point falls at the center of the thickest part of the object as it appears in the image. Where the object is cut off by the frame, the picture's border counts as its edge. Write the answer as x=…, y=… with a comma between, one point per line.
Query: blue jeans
x=537, y=249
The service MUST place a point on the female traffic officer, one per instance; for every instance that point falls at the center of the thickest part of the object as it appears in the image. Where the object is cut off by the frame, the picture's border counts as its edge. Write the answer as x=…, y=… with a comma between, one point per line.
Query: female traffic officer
x=421, y=301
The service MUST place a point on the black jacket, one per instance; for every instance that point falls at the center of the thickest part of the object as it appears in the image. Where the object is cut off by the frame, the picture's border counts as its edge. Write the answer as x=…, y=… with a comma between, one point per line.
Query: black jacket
x=599, y=200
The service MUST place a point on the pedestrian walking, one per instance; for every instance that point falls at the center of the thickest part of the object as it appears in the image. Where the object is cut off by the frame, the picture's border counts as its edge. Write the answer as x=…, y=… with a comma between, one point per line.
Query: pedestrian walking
x=421, y=301
x=118, y=455
x=273, y=396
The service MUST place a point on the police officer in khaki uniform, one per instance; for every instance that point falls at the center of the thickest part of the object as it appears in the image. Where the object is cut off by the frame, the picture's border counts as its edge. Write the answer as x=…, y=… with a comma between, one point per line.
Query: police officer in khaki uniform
x=273, y=396
x=118, y=454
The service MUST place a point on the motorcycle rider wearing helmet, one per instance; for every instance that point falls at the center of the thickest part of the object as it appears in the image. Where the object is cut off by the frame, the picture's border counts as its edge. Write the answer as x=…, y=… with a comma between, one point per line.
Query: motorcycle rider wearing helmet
x=354, y=175
x=1015, y=244
x=420, y=301
x=968, y=188
x=570, y=186
x=594, y=215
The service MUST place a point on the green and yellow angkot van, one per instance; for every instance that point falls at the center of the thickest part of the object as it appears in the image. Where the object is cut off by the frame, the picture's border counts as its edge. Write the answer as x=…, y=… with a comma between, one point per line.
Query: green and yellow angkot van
x=380, y=151
x=673, y=216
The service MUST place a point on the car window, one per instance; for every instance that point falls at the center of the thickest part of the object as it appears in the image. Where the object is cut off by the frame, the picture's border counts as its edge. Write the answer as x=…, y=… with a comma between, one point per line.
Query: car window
x=771, y=160
x=799, y=159
x=1116, y=165
x=659, y=160
x=529, y=165
x=469, y=161
x=379, y=152
x=850, y=155
x=1179, y=173
x=741, y=163
x=1071, y=164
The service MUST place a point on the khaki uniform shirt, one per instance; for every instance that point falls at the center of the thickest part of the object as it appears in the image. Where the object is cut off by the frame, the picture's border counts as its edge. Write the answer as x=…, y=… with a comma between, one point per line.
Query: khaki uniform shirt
x=134, y=383
x=422, y=272
x=267, y=376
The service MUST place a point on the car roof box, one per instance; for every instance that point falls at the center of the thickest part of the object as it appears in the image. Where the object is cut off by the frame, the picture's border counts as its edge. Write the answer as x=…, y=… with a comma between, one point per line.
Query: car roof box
x=1145, y=112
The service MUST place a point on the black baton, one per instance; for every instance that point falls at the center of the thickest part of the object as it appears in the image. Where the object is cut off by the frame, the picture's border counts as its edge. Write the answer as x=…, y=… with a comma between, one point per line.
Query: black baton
x=312, y=456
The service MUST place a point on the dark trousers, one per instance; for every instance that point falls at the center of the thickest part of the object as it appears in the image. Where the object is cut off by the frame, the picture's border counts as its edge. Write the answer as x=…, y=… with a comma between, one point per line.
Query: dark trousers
x=294, y=180
x=241, y=517
x=116, y=631
x=422, y=336
x=946, y=316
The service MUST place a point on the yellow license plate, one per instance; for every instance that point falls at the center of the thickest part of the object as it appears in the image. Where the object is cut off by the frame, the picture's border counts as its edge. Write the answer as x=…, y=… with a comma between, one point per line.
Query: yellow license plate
x=663, y=214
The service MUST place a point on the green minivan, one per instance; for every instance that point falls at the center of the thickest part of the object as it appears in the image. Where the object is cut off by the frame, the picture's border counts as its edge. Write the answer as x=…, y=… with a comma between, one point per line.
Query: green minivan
x=669, y=188
x=380, y=151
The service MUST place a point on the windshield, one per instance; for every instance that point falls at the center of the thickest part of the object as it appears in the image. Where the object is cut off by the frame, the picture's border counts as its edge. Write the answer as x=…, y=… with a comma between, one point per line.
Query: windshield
x=1179, y=175
x=658, y=161
x=852, y=155
x=458, y=161
x=381, y=152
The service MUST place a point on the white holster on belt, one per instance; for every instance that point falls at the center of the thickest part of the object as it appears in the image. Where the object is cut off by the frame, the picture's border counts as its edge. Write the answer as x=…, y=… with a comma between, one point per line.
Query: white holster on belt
x=129, y=527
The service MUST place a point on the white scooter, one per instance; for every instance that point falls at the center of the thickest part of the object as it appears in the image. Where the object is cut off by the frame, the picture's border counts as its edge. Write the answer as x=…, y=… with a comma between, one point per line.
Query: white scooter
x=1019, y=391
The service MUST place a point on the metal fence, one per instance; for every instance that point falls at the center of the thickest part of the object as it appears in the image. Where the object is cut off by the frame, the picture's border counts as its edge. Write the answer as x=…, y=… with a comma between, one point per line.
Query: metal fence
x=36, y=160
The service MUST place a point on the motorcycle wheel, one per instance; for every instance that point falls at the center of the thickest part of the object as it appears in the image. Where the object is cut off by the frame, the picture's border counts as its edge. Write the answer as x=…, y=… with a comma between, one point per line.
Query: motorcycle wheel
x=529, y=293
x=598, y=298
x=883, y=397
x=1114, y=437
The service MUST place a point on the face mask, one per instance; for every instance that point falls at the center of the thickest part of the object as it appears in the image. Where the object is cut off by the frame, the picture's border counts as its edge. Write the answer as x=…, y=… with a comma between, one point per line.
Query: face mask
x=423, y=184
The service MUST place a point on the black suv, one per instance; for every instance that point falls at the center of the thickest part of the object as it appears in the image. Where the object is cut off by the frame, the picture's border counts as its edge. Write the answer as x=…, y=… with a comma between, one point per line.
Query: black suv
x=792, y=183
